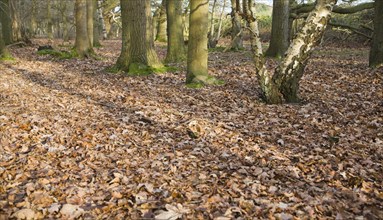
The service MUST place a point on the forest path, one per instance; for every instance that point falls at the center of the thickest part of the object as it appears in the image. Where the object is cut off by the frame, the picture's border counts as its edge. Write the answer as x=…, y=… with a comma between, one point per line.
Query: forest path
x=135, y=147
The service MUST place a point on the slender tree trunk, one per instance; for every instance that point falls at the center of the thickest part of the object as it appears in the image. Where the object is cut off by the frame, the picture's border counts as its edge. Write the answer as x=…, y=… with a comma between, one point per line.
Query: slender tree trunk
x=49, y=20
x=176, y=48
x=89, y=20
x=96, y=25
x=33, y=24
x=197, y=71
x=161, y=23
x=101, y=19
x=211, y=35
x=82, y=45
x=376, y=51
x=236, y=27
x=218, y=36
x=137, y=54
x=280, y=29
x=5, y=17
x=283, y=84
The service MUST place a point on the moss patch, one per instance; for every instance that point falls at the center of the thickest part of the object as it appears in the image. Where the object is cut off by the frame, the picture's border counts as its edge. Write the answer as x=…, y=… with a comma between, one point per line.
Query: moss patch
x=217, y=49
x=7, y=57
x=59, y=54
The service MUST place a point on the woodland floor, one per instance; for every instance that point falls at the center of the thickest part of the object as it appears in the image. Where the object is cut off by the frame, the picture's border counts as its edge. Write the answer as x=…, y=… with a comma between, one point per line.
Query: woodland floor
x=119, y=147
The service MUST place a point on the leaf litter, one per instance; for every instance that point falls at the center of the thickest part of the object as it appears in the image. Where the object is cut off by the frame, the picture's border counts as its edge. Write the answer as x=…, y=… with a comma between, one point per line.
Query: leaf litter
x=78, y=142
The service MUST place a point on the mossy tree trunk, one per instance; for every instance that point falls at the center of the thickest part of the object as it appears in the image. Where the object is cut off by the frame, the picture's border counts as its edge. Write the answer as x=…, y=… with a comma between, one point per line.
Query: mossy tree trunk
x=137, y=53
x=280, y=29
x=3, y=50
x=82, y=44
x=176, y=47
x=197, y=69
x=161, y=23
x=90, y=20
x=236, y=26
x=282, y=84
x=376, y=51
x=5, y=17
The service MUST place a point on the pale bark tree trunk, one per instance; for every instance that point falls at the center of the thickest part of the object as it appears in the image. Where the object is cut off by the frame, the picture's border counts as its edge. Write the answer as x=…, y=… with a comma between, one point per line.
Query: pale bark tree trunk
x=49, y=20
x=101, y=19
x=282, y=84
x=218, y=36
x=137, y=54
x=376, y=51
x=5, y=17
x=161, y=23
x=16, y=23
x=97, y=25
x=197, y=70
x=236, y=27
x=176, y=48
x=89, y=20
x=280, y=29
x=82, y=45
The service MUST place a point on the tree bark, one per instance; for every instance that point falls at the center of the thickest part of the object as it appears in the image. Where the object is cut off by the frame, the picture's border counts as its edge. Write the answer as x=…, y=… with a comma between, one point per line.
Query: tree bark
x=137, y=54
x=211, y=34
x=283, y=84
x=236, y=27
x=3, y=50
x=96, y=25
x=161, y=23
x=89, y=20
x=5, y=17
x=49, y=20
x=197, y=71
x=280, y=29
x=376, y=51
x=176, y=48
x=82, y=45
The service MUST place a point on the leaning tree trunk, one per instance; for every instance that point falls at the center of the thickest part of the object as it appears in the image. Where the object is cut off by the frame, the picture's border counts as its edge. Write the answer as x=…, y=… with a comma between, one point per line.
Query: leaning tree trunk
x=137, y=54
x=376, y=52
x=176, y=48
x=283, y=83
x=279, y=40
x=82, y=45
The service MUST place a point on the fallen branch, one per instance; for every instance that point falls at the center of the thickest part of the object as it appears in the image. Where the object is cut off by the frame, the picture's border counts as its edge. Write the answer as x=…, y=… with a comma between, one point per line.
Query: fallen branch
x=351, y=28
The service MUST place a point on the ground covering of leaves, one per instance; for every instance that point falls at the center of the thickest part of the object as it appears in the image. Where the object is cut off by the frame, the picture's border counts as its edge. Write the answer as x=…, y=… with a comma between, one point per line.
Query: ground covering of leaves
x=78, y=142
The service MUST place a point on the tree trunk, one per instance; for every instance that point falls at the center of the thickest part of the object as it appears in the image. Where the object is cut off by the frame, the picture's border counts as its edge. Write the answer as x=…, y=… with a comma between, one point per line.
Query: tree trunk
x=280, y=29
x=3, y=50
x=211, y=35
x=197, y=71
x=161, y=23
x=283, y=83
x=89, y=20
x=218, y=36
x=5, y=17
x=236, y=27
x=176, y=47
x=96, y=25
x=101, y=19
x=376, y=51
x=33, y=23
x=49, y=20
x=82, y=45
x=137, y=54
x=16, y=23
